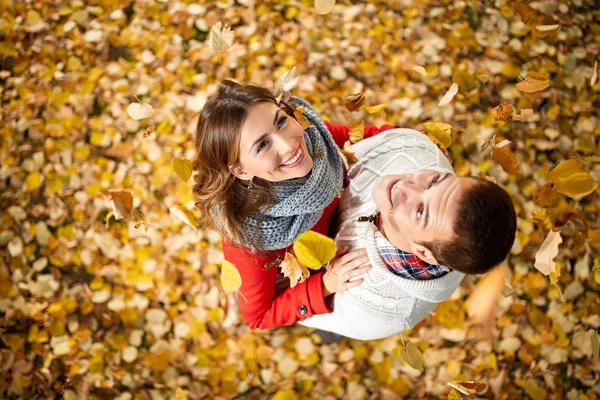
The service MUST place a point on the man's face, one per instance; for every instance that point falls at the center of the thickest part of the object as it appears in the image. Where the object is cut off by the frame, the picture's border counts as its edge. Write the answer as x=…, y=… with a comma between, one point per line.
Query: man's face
x=419, y=207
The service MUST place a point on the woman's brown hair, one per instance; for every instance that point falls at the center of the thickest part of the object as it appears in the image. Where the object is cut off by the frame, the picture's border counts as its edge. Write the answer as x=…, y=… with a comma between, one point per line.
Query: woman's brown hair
x=224, y=200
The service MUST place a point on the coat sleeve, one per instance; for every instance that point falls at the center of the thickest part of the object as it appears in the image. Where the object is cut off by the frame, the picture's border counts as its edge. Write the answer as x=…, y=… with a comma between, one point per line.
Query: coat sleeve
x=340, y=132
x=261, y=305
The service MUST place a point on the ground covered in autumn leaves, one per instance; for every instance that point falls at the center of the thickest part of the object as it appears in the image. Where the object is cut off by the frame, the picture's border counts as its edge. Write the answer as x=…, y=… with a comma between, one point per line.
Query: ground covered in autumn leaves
x=109, y=284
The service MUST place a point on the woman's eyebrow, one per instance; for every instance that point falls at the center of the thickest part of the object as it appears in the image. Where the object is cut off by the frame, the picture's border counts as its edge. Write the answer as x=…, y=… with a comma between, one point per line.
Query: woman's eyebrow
x=262, y=137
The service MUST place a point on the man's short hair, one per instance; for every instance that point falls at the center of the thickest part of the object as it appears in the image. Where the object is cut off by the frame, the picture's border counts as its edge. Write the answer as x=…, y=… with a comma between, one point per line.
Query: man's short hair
x=485, y=228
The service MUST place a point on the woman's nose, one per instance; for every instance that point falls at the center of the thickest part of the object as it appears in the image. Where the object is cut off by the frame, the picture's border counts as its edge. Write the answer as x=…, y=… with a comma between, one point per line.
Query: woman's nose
x=285, y=144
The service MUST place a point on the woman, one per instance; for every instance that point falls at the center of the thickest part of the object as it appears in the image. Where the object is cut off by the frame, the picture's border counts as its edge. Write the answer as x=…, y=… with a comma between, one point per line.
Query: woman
x=262, y=181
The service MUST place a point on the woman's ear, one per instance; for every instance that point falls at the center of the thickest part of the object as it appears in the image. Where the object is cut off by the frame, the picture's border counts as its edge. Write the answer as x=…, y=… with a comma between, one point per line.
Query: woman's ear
x=239, y=172
x=424, y=254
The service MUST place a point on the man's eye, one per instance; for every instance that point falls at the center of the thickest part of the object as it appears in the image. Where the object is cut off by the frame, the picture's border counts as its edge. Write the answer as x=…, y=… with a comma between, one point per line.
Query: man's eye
x=420, y=212
x=262, y=145
x=281, y=122
x=433, y=181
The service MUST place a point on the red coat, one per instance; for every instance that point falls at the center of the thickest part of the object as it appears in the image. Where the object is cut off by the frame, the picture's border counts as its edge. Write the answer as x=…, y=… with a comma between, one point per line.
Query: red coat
x=262, y=304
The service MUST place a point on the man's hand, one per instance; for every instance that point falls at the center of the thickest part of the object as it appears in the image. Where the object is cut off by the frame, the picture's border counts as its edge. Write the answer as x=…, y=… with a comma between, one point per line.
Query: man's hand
x=344, y=267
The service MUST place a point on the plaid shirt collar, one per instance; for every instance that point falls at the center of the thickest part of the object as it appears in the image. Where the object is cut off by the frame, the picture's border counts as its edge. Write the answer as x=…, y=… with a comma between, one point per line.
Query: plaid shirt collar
x=404, y=264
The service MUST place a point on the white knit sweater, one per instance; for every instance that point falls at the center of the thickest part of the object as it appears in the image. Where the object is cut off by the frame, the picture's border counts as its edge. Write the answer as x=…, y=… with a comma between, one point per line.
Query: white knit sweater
x=385, y=303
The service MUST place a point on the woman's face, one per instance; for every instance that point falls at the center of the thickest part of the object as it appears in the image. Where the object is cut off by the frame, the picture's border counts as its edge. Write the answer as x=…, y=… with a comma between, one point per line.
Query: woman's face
x=272, y=146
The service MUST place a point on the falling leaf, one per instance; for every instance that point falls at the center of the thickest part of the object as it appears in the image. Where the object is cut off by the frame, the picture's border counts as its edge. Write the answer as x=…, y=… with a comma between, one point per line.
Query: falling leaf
x=544, y=258
x=121, y=202
x=356, y=132
x=483, y=299
x=324, y=6
x=577, y=185
x=291, y=268
x=314, y=250
x=139, y=111
x=439, y=132
x=505, y=157
x=221, y=37
x=302, y=120
x=595, y=343
x=420, y=70
x=230, y=277
x=140, y=220
x=375, y=109
x=412, y=356
x=503, y=112
x=286, y=82
x=546, y=30
x=488, y=178
x=449, y=95
x=149, y=130
x=564, y=170
x=186, y=215
x=545, y=196
x=533, y=83
x=183, y=168
x=468, y=388
x=594, y=74
x=466, y=81
x=525, y=115
x=354, y=102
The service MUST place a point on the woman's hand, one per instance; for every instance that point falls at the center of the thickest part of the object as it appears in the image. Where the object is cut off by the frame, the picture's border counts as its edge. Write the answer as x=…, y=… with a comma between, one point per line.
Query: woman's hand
x=344, y=267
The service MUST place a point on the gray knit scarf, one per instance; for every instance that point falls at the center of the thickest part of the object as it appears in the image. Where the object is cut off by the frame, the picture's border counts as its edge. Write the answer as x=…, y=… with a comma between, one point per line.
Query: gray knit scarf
x=300, y=202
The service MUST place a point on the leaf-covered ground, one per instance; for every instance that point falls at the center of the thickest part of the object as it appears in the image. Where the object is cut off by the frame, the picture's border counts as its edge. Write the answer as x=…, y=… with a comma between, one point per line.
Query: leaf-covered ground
x=109, y=284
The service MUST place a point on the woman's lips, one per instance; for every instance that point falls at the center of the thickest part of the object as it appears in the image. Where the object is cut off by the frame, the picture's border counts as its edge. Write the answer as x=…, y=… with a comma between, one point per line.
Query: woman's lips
x=299, y=154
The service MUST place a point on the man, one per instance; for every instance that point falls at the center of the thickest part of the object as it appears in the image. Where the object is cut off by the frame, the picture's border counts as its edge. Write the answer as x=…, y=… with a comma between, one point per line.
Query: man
x=423, y=228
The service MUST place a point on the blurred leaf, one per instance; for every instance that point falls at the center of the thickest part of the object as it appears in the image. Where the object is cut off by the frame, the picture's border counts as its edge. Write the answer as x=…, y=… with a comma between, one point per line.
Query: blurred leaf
x=468, y=388
x=420, y=70
x=594, y=77
x=533, y=83
x=412, y=356
x=449, y=95
x=505, y=157
x=545, y=196
x=544, y=258
x=453, y=395
x=230, y=277
x=466, y=81
x=546, y=30
x=596, y=270
x=302, y=120
x=503, y=112
x=595, y=343
x=186, y=215
x=183, y=168
x=149, y=130
x=576, y=185
x=221, y=37
x=357, y=131
x=324, y=6
x=354, y=102
x=139, y=111
x=121, y=202
x=375, y=109
x=564, y=170
x=314, y=250
x=439, y=132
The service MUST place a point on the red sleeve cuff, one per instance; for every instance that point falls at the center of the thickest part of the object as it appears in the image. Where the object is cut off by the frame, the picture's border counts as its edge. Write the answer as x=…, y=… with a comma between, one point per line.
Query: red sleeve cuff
x=319, y=304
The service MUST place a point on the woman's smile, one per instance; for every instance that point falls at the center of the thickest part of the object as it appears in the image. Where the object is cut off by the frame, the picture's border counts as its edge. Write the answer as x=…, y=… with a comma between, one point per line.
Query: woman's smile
x=296, y=158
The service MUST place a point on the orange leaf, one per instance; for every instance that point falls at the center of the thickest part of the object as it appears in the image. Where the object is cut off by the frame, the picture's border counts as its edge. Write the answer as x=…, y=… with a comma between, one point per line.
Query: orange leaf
x=302, y=120
x=506, y=158
x=354, y=102
x=502, y=112
x=534, y=82
x=292, y=269
x=357, y=131
x=545, y=196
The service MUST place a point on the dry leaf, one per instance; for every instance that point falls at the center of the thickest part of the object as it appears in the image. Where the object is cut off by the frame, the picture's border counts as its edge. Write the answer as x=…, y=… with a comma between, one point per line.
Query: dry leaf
x=420, y=70
x=140, y=220
x=149, y=130
x=439, y=132
x=594, y=74
x=412, y=356
x=314, y=250
x=546, y=30
x=505, y=157
x=544, y=258
x=121, y=202
x=375, y=109
x=292, y=269
x=524, y=12
x=354, y=102
x=286, y=82
x=468, y=388
x=230, y=277
x=503, y=112
x=302, y=120
x=533, y=83
x=488, y=178
x=595, y=343
x=449, y=95
x=183, y=168
x=139, y=111
x=525, y=115
x=357, y=131
x=324, y=6
x=545, y=196
x=221, y=37
x=120, y=150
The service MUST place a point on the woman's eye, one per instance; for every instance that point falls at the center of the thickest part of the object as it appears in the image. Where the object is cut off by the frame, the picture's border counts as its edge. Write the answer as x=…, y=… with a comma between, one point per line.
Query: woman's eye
x=262, y=145
x=281, y=122
x=420, y=212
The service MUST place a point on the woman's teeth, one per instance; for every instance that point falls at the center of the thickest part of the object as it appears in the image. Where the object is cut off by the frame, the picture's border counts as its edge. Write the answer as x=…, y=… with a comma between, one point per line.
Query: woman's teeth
x=294, y=158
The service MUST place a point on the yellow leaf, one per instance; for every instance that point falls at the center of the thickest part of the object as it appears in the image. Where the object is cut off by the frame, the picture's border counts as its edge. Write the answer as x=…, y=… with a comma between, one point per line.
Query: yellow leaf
x=466, y=81
x=564, y=170
x=302, y=120
x=186, y=215
x=468, y=388
x=292, y=269
x=221, y=37
x=230, y=277
x=439, y=132
x=420, y=70
x=324, y=6
x=139, y=111
x=376, y=109
x=533, y=83
x=506, y=158
x=576, y=185
x=449, y=95
x=546, y=30
x=544, y=258
x=357, y=131
x=314, y=250
x=545, y=196
x=556, y=274
x=286, y=394
x=34, y=181
x=412, y=356
x=354, y=102
x=503, y=112
x=453, y=395
x=183, y=168
x=596, y=270
x=595, y=343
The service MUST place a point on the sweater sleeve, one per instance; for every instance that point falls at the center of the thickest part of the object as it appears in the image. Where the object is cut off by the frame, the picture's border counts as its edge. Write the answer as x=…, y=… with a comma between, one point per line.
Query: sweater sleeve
x=340, y=132
x=260, y=304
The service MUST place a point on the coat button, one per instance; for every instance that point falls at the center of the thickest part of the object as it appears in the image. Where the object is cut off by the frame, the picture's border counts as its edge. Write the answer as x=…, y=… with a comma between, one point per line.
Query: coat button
x=302, y=309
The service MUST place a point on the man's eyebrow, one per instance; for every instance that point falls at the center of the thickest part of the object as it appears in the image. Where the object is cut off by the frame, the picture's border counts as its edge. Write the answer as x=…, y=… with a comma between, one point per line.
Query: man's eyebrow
x=427, y=206
x=260, y=139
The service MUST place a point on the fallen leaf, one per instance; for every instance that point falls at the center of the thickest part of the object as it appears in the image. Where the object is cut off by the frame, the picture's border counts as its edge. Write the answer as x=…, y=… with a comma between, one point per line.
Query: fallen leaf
x=544, y=258
x=120, y=150
x=524, y=12
x=412, y=356
x=439, y=132
x=595, y=343
x=230, y=277
x=503, y=112
x=533, y=83
x=468, y=388
x=525, y=115
x=221, y=37
x=324, y=6
x=546, y=30
x=466, y=81
x=596, y=270
x=183, y=168
x=302, y=120
x=149, y=130
x=291, y=268
x=420, y=70
x=139, y=111
x=449, y=95
x=354, y=102
x=594, y=74
x=505, y=157
x=314, y=250
x=357, y=131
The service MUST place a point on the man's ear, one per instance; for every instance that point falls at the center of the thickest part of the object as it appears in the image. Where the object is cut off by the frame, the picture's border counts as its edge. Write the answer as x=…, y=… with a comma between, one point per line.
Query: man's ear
x=424, y=254
x=239, y=172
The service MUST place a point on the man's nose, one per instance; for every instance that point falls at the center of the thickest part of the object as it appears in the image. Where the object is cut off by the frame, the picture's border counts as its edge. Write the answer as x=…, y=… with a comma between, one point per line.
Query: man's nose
x=410, y=186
